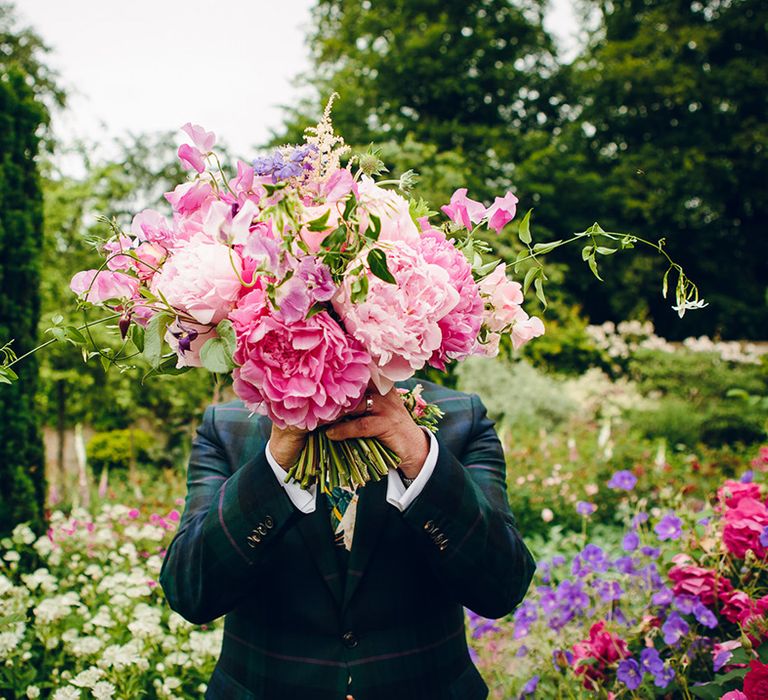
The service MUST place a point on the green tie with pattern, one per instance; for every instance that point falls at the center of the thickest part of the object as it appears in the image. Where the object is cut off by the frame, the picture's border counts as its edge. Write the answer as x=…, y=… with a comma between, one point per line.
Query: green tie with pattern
x=343, y=507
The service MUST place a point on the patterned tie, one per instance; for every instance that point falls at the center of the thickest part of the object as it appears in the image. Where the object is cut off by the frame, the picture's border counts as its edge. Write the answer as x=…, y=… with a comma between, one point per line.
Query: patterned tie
x=343, y=507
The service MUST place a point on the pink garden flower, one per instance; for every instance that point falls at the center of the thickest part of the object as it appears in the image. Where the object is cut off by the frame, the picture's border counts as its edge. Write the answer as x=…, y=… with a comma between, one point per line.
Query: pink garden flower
x=739, y=608
x=696, y=581
x=186, y=340
x=191, y=158
x=462, y=210
x=502, y=211
x=393, y=210
x=202, y=139
x=300, y=374
x=462, y=324
x=743, y=526
x=733, y=491
x=100, y=286
x=201, y=279
x=398, y=324
x=591, y=656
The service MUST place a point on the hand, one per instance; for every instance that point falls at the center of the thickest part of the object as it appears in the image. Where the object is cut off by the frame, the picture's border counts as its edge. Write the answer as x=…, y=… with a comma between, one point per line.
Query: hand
x=389, y=421
x=286, y=444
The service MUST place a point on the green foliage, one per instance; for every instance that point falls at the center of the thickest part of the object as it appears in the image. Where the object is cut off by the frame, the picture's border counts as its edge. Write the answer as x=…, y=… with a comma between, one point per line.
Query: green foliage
x=117, y=449
x=22, y=478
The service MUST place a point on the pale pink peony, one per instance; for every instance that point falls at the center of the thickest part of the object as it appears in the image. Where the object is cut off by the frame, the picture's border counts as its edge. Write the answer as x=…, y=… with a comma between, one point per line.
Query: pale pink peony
x=393, y=210
x=398, y=324
x=200, y=279
x=462, y=324
x=300, y=374
x=100, y=286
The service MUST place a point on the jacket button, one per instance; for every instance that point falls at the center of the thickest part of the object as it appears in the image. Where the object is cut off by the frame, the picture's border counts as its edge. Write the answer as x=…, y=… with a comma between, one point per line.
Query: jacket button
x=269, y=522
x=349, y=639
x=261, y=530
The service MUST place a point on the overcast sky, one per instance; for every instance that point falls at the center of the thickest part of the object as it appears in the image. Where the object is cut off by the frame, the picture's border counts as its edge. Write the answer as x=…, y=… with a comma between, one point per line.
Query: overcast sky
x=152, y=65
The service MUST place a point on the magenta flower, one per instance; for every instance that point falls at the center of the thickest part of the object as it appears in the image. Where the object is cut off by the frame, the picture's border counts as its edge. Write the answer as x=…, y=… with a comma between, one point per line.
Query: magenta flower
x=501, y=212
x=462, y=210
x=300, y=374
x=191, y=158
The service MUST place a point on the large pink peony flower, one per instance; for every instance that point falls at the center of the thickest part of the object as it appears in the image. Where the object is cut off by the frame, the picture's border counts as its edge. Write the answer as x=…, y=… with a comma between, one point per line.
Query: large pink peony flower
x=300, y=374
x=743, y=526
x=462, y=324
x=393, y=210
x=694, y=580
x=100, y=286
x=200, y=280
x=398, y=324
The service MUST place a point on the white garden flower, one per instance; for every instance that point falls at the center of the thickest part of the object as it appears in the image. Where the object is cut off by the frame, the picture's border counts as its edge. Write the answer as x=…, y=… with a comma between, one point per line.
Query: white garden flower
x=42, y=579
x=68, y=692
x=5, y=585
x=23, y=534
x=51, y=609
x=88, y=678
x=120, y=656
x=103, y=618
x=43, y=546
x=10, y=639
x=103, y=690
x=86, y=646
x=32, y=692
x=12, y=555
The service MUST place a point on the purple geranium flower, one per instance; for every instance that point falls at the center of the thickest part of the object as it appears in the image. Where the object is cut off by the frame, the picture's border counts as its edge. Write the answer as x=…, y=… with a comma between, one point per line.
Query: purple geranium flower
x=608, y=591
x=631, y=541
x=629, y=673
x=590, y=559
x=651, y=552
x=669, y=527
x=704, y=615
x=764, y=537
x=664, y=677
x=623, y=480
x=530, y=687
x=625, y=565
x=685, y=603
x=748, y=477
x=562, y=659
x=650, y=661
x=585, y=508
x=664, y=596
x=674, y=629
x=639, y=518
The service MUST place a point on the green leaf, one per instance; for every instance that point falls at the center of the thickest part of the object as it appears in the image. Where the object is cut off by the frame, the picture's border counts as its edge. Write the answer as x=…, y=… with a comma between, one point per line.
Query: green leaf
x=335, y=238
x=586, y=252
x=377, y=261
x=606, y=251
x=709, y=691
x=320, y=223
x=57, y=319
x=524, y=229
x=74, y=336
x=226, y=331
x=665, y=283
x=539, y=287
x=137, y=336
x=153, y=338
x=376, y=230
x=544, y=248
x=529, y=277
x=593, y=267
x=359, y=289
x=216, y=357
x=349, y=207
x=7, y=375
x=315, y=309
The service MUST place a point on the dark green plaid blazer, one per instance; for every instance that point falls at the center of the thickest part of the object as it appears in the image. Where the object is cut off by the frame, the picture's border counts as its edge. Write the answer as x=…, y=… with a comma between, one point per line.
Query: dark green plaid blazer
x=395, y=629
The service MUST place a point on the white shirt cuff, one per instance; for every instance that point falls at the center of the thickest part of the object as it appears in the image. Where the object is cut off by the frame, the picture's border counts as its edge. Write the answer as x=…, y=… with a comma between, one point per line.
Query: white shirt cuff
x=397, y=493
x=303, y=499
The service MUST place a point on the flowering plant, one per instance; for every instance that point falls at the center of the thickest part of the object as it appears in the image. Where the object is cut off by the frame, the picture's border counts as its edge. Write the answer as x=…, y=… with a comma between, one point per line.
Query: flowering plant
x=310, y=282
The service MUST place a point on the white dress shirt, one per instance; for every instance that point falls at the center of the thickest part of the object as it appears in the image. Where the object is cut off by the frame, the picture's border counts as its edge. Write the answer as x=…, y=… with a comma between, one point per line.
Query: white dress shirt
x=398, y=494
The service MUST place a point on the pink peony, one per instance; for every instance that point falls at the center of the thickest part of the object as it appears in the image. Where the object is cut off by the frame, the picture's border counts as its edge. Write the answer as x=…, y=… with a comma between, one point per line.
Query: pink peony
x=100, y=286
x=743, y=526
x=462, y=324
x=200, y=279
x=694, y=580
x=462, y=210
x=733, y=491
x=591, y=656
x=300, y=374
x=398, y=324
x=393, y=210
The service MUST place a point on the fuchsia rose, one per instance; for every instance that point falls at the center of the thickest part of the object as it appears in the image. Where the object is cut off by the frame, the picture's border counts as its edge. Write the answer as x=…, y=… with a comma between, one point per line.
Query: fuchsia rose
x=393, y=210
x=591, y=656
x=462, y=324
x=100, y=286
x=696, y=581
x=739, y=608
x=743, y=526
x=398, y=324
x=733, y=491
x=201, y=279
x=300, y=374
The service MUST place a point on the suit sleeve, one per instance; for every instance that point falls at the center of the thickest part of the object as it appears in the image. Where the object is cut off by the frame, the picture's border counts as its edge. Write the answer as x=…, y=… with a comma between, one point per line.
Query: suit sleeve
x=230, y=521
x=464, y=521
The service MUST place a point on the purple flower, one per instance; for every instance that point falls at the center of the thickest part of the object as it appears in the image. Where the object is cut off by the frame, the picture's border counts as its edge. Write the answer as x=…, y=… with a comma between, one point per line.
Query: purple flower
x=608, y=591
x=317, y=278
x=748, y=477
x=558, y=560
x=685, y=603
x=625, y=565
x=650, y=661
x=631, y=541
x=585, y=508
x=639, y=518
x=522, y=651
x=524, y=617
x=663, y=596
x=629, y=673
x=764, y=537
x=562, y=659
x=704, y=615
x=651, y=552
x=721, y=659
x=675, y=628
x=590, y=559
x=669, y=527
x=530, y=687
x=663, y=678
x=623, y=480
x=703, y=521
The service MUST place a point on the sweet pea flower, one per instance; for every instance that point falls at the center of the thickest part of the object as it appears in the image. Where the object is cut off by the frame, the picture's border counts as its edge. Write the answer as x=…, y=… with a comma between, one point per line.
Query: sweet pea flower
x=202, y=139
x=723, y=652
x=622, y=480
x=339, y=185
x=501, y=212
x=101, y=286
x=191, y=158
x=186, y=340
x=462, y=210
x=189, y=197
x=223, y=225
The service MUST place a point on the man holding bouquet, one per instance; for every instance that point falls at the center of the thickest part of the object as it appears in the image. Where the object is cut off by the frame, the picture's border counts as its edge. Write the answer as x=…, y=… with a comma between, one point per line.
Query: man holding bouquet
x=314, y=613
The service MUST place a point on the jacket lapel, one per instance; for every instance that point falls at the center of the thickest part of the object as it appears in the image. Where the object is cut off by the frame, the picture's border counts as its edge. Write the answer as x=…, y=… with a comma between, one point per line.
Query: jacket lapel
x=315, y=528
x=372, y=509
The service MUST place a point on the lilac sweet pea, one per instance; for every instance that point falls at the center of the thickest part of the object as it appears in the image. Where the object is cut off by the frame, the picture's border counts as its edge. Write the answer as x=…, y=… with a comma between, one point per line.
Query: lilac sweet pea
x=623, y=480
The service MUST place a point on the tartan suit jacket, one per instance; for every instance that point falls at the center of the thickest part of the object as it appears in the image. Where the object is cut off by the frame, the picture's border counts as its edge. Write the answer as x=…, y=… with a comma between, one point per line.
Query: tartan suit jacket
x=292, y=631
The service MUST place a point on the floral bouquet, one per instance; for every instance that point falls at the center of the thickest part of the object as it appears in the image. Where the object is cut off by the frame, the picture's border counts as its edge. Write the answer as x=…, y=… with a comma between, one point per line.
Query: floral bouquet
x=308, y=281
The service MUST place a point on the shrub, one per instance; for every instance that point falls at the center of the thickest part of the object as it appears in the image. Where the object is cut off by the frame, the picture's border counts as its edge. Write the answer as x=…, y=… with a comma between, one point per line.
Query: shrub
x=116, y=448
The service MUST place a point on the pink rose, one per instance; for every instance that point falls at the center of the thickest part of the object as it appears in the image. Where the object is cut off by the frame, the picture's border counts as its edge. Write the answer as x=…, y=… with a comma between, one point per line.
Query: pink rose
x=398, y=324
x=591, y=656
x=739, y=608
x=704, y=583
x=393, y=210
x=733, y=491
x=201, y=279
x=100, y=286
x=743, y=526
x=300, y=374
